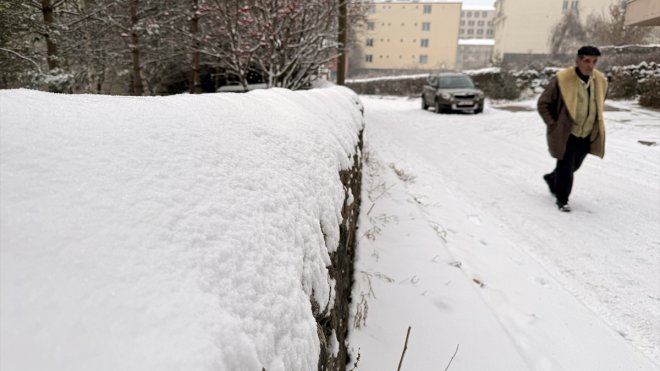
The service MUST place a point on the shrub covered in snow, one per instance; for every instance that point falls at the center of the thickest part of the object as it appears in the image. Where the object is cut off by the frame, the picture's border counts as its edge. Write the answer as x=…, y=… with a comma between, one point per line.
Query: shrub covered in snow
x=650, y=92
x=626, y=82
x=497, y=83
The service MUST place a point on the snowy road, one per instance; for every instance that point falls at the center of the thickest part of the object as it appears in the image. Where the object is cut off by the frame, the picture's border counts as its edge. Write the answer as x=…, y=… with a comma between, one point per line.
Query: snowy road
x=576, y=291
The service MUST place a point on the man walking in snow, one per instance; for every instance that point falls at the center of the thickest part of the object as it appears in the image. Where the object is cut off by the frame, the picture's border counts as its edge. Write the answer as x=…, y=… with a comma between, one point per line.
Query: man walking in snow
x=572, y=108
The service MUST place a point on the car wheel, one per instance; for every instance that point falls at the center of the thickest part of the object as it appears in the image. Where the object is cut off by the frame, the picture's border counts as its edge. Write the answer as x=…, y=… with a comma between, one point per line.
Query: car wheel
x=424, y=105
x=479, y=110
x=438, y=108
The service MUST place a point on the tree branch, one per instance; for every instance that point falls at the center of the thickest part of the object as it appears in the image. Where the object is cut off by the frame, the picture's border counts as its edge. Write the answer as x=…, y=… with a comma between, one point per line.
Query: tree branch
x=23, y=57
x=405, y=346
x=452, y=357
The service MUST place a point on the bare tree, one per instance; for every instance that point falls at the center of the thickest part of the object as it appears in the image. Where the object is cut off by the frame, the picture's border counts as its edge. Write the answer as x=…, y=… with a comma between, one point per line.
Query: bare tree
x=47, y=9
x=195, y=81
x=342, y=39
x=296, y=39
x=611, y=29
x=20, y=60
x=567, y=35
x=91, y=44
x=230, y=37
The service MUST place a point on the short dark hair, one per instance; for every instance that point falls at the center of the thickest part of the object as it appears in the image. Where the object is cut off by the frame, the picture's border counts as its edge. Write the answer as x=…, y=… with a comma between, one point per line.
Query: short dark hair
x=591, y=51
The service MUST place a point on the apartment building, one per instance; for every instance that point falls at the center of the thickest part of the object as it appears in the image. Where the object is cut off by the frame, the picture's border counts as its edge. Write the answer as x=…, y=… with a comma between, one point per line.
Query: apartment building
x=409, y=35
x=477, y=23
x=476, y=35
x=523, y=27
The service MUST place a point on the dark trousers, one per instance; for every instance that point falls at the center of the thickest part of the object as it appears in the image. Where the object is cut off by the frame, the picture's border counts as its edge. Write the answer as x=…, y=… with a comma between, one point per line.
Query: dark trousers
x=562, y=176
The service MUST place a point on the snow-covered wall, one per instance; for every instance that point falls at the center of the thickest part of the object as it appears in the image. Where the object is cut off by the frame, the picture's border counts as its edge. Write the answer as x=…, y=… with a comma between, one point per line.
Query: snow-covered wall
x=172, y=233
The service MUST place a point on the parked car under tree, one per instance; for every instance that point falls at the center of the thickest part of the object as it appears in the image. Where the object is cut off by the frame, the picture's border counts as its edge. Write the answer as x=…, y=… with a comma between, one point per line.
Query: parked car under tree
x=452, y=91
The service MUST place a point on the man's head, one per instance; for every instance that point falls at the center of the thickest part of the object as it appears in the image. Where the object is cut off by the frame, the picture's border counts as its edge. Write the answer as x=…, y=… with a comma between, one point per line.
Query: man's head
x=587, y=57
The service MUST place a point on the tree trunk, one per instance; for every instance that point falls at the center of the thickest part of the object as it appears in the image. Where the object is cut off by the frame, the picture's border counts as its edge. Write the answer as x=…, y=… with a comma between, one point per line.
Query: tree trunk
x=341, y=59
x=195, y=81
x=136, y=75
x=51, y=47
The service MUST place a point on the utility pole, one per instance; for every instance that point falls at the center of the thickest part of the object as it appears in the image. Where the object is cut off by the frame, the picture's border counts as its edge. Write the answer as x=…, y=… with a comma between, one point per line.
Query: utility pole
x=341, y=59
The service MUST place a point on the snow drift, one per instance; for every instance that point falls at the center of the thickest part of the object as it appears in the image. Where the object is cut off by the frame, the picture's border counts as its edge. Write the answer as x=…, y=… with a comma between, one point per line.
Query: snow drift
x=167, y=233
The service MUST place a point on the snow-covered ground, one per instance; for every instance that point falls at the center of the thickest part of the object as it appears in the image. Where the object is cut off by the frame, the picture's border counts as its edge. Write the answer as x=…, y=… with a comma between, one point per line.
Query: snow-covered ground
x=183, y=233
x=169, y=233
x=460, y=240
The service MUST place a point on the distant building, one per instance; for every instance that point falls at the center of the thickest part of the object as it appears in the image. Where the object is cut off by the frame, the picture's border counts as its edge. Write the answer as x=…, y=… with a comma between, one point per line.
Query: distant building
x=643, y=13
x=477, y=23
x=476, y=37
x=474, y=53
x=409, y=36
x=523, y=27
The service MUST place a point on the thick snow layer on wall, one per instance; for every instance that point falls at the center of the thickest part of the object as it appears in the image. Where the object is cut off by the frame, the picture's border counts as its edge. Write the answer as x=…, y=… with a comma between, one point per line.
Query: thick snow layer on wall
x=169, y=233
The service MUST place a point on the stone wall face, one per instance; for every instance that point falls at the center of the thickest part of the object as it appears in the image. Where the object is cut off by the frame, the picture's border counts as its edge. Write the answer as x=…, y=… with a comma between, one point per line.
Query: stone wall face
x=334, y=322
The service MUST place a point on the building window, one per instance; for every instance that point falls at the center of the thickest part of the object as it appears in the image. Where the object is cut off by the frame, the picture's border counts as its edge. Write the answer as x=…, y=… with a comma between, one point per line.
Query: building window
x=463, y=14
x=490, y=23
x=370, y=26
x=484, y=14
x=423, y=59
x=480, y=23
x=427, y=9
x=372, y=9
x=469, y=14
x=480, y=32
x=489, y=32
x=370, y=42
x=461, y=32
x=369, y=58
x=574, y=5
x=470, y=32
x=470, y=23
x=424, y=43
x=564, y=6
x=426, y=26
x=462, y=23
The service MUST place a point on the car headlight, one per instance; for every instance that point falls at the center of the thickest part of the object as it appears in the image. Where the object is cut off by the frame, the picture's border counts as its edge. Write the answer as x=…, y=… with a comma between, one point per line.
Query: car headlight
x=446, y=96
x=480, y=94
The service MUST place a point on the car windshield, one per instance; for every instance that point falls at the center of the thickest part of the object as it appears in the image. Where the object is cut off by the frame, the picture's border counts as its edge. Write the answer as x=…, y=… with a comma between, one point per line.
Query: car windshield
x=456, y=82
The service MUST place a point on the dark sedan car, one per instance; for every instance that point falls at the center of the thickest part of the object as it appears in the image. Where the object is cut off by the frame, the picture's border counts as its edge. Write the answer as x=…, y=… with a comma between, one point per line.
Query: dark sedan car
x=452, y=91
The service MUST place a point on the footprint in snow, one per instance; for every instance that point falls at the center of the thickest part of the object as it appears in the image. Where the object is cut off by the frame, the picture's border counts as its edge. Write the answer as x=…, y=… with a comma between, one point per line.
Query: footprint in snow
x=542, y=281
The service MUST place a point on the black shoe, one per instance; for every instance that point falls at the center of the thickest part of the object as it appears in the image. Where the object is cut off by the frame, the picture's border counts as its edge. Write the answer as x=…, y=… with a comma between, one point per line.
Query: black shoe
x=548, y=179
x=565, y=207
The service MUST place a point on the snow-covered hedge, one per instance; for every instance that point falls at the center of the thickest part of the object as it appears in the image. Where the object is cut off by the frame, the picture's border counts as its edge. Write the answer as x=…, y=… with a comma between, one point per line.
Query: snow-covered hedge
x=171, y=233
x=625, y=82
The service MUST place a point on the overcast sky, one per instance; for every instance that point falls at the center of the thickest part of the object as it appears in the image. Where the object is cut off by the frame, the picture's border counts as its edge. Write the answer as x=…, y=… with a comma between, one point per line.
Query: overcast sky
x=479, y=2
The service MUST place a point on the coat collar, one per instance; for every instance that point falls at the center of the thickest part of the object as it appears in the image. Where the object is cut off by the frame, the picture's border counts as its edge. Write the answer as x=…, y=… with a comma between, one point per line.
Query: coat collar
x=568, y=85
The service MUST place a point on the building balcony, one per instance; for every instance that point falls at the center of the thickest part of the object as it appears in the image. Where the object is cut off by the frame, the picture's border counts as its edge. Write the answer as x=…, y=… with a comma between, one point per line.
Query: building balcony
x=643, y=13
